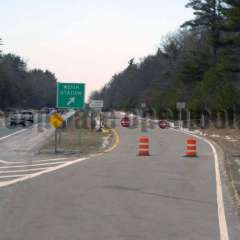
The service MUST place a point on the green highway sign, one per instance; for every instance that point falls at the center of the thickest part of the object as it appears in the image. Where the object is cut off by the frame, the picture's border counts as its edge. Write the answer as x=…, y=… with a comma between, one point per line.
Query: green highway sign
x=70, y=95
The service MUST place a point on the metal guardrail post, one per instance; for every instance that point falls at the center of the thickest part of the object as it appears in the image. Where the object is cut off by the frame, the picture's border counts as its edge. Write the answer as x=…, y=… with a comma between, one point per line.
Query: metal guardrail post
x=189, y=120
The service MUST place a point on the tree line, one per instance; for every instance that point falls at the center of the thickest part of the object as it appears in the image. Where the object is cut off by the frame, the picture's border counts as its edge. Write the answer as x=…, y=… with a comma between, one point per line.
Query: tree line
x=23, y=88
x=199, y=65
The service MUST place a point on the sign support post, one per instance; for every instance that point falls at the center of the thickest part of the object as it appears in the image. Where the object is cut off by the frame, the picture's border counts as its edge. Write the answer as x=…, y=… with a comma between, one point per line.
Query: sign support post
x=69, y=96
x=96, y=114
x=56, y=121
x=180, y=106
x=189, y=120
x=55, y=148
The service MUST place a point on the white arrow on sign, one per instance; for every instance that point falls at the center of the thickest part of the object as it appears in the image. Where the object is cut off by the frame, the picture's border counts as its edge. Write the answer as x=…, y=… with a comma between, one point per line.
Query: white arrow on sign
x=71, y=100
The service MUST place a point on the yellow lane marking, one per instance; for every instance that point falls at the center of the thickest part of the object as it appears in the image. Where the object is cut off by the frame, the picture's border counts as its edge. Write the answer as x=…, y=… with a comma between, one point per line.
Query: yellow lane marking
x=116, y=143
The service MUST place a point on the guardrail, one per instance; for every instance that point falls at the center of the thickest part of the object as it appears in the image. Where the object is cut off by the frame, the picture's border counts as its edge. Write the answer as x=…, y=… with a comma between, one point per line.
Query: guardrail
x=68, y=115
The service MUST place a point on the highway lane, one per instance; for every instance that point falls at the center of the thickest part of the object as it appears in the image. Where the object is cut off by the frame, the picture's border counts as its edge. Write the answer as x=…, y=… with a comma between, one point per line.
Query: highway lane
x=5, y=131
x=18, y=152
x=22, y=143
x=119, y=196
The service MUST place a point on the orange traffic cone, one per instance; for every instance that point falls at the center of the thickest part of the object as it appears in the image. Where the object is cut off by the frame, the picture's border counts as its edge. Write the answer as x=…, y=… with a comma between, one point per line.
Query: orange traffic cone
x=143, y=146
x=191, y=148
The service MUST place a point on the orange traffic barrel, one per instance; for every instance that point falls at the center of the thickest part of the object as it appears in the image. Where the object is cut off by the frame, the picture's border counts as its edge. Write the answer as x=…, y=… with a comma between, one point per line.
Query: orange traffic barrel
x=191, y=147
x=143, y=149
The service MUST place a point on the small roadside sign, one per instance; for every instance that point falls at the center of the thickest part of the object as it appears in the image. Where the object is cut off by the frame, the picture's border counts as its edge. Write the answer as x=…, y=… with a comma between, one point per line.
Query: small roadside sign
x=56, y=120
x=70, y=95
x=181, y=105
x=143, y=105
x=96, y=104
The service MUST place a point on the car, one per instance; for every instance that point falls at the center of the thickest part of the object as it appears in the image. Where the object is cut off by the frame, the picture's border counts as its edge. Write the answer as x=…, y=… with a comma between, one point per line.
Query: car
x=15, y=119
x=27, y=116
x=21, y=118
x=125, y=122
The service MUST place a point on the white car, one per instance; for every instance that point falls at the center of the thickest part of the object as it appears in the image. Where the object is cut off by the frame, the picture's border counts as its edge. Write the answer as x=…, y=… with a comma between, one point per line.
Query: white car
x=21, y=118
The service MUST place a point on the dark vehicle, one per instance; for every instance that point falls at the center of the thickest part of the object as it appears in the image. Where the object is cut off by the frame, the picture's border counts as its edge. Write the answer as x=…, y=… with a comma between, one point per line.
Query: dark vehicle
x=125, y=122
x=21, y=118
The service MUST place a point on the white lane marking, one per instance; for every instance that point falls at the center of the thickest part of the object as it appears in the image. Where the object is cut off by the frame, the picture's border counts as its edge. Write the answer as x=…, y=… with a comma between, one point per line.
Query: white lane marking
x=24, y=170
x=221, y=209
x=220, y=202
x=7, y=162
x=12, y=176
x=31, y=165
x=50, y=160
x=26, y=162
x=7, y=183
x=10, y=135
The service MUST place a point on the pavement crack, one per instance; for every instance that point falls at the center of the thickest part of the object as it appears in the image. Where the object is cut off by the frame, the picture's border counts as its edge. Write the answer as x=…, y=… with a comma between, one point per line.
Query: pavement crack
x=131, y=189
x=179, y=198
x=123, y=188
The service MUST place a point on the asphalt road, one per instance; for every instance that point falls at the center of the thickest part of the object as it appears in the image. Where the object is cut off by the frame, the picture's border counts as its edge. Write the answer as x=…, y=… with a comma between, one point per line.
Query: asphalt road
x=4, y=131
x=120, y=196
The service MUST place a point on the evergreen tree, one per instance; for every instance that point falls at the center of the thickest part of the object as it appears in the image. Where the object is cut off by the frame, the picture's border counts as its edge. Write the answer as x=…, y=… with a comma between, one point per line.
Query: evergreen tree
x=208, y=16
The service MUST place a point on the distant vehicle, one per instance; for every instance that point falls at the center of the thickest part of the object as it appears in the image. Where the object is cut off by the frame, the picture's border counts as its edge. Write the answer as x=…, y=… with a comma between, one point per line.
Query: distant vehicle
x=125, y=122
x=1, y=113
x=45, y=110
x=21, y=118
x=28, y=116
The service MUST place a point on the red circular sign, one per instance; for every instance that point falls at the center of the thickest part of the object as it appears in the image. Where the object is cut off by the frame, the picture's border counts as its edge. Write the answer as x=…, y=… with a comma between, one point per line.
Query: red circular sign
x=125, y=122
x=163, y=124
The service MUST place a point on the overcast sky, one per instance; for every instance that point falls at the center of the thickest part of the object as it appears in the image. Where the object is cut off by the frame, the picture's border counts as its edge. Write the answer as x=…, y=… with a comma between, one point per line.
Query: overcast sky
x=87, y=41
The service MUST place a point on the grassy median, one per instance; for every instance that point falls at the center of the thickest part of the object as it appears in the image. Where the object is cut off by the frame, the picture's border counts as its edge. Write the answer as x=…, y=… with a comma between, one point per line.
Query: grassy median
x=77, y=141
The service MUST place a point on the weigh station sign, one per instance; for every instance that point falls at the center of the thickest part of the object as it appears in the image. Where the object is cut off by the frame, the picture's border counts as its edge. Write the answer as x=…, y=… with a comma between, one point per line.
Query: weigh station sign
x=70, y=95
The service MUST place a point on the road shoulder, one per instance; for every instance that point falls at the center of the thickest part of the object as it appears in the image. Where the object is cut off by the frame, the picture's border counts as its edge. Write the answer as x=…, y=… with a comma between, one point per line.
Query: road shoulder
x=231, y=207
